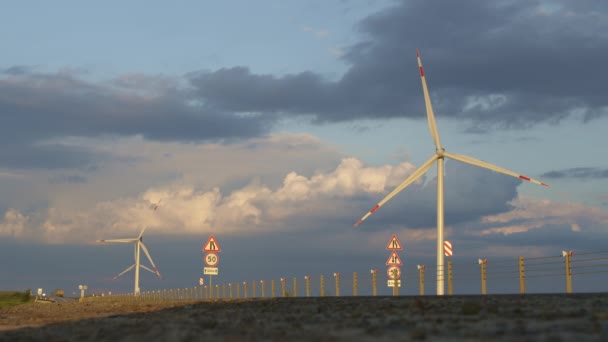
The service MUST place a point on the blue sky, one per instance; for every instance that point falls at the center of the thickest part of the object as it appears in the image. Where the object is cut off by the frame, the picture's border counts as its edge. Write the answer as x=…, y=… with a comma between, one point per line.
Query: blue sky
x=276, y=125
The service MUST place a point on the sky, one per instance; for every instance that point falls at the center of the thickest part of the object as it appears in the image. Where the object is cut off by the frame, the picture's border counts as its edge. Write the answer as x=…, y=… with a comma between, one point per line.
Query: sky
x=276, y=125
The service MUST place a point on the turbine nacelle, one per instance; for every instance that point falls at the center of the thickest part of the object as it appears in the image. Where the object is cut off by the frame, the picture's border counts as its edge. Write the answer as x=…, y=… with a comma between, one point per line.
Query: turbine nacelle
x=439, y=152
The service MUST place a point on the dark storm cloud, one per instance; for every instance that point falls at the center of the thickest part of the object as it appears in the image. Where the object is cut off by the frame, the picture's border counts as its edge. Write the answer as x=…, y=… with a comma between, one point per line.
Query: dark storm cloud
x=41, y=106
x=508, y=65
x=36, y=107
x=68, y=178
x=27, y=156
x=578, y=173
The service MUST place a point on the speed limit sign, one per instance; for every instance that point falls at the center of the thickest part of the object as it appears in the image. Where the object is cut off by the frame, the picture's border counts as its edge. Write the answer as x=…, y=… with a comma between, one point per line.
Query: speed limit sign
x=211, y=259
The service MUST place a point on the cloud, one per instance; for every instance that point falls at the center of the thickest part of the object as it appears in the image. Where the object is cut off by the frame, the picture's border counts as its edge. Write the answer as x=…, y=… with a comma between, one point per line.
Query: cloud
x=62, y=104
x=497, y=65
x=317, y=32
x=530, y=214
x=186, y=210
x=274, y=201
x=583, y=173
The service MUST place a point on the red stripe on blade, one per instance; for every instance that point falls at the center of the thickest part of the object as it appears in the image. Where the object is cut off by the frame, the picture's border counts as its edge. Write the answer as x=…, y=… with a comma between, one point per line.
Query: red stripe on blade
x=543, y=184
x=421, y=72
x=358, y=223
x=374, y=209
x=417, y=53
x=524, y=178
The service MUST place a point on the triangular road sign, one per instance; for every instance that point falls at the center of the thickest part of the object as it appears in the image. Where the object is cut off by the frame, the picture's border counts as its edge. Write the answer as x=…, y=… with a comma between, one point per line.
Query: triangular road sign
x=394, y=260
x=212, y=245
x=394, y=244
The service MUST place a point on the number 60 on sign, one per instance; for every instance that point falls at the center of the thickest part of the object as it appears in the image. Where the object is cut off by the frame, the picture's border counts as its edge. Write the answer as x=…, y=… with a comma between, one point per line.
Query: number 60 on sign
x=211, y=259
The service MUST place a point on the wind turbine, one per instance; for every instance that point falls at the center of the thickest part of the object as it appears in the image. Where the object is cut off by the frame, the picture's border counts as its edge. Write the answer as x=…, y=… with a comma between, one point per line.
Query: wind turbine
x=439, y=156
x=138, y=246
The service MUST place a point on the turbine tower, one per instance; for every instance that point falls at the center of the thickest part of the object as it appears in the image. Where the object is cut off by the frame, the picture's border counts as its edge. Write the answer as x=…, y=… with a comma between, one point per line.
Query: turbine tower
x=439, y=156
x=138, y=246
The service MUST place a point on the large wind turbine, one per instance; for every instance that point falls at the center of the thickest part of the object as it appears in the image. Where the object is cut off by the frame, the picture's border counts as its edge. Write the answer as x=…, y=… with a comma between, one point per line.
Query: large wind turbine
x=439, y=156
x=138, y=246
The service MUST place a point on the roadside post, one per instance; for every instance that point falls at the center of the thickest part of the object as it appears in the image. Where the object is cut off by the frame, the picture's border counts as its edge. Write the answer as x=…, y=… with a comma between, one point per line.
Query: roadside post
x=567, y=260
x=394, y=262
x=307, y=280
x=421, y=269
x=447, y=251
x=483, y=266
x=374, y=282
x=337, y=277
x=211, y=247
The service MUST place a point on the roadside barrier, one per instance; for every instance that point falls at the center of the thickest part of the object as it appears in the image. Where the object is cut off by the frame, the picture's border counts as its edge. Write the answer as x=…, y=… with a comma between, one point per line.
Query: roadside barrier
x=567, y=265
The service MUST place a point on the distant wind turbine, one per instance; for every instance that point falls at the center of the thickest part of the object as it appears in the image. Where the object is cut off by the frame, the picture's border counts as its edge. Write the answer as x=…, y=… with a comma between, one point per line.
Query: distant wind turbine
x=138, y=246
x=439, y=156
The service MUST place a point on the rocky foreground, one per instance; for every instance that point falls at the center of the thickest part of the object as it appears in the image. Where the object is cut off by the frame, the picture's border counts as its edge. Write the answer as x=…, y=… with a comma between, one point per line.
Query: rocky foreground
x=458, y=318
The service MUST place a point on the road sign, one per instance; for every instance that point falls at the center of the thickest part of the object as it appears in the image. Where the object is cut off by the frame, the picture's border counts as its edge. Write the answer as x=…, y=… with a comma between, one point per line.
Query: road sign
x=447, y=248
x=201, y=281
x=212, y=245
x=394, y=244
x=394, y=260
x=391, y=283
x=393, y=272
x=210, y=270
x=211, y=259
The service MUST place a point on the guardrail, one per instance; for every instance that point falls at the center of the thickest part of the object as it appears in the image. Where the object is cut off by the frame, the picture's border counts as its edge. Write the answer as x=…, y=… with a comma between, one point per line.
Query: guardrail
x=565, y=266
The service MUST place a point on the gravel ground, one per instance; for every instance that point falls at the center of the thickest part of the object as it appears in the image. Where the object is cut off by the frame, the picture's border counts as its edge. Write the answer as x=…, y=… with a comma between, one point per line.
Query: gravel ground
x=459, y=318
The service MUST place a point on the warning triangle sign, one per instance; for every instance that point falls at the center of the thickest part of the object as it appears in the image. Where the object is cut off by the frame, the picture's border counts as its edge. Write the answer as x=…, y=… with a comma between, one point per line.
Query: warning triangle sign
x=394, y=260
x=211, y=245
x=394, y=244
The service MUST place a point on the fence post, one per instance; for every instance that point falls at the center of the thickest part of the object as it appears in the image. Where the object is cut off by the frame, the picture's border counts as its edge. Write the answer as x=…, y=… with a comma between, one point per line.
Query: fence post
x=450, y=277
x=374, y=282
x=253, y=289
x=567, y=256
x=355, y=284
x=245, y=288
x=283, y=288
x=396, y=283
x=483, y=264
x=272, y=288
x=322, y=286
x=224, y=291
x=307, y=280
x=210, y=287
x=522, y=276
x=230, y=289
x=421, y=269
x=263, y=288
x=295, y=286
x=337, y=276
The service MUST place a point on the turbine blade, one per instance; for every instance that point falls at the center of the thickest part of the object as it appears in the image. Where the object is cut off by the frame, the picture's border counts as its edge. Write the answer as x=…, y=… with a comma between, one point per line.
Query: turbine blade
x=141, y=233
x=146, y=268
x=486, y=165
x=409, y=180
x=119, y=240
x=429, y=107
x=125, y=271
x=150, y=258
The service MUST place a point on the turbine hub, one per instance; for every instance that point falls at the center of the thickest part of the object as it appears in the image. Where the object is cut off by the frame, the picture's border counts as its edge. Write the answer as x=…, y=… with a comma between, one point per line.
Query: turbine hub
x=439, y=152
